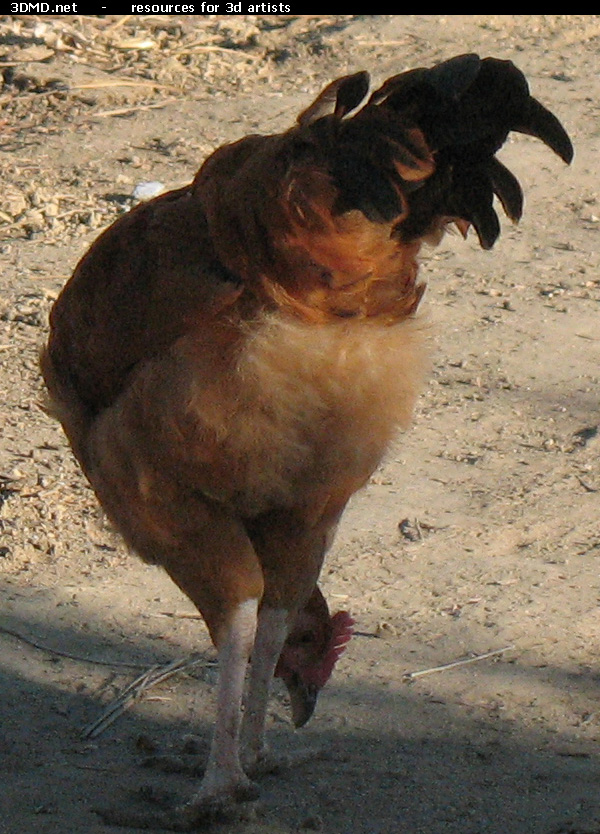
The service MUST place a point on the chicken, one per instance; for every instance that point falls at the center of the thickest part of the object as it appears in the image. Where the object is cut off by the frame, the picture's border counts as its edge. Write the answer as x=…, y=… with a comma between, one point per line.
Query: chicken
x=231, y=360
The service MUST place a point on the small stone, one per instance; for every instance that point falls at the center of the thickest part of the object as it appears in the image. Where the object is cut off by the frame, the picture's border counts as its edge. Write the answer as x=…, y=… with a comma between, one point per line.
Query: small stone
x=147, y=190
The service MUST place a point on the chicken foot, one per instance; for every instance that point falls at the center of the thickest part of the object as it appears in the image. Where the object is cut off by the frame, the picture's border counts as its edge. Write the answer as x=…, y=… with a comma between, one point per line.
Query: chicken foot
x=256, y=756
x=224, y=779
x=224, y=784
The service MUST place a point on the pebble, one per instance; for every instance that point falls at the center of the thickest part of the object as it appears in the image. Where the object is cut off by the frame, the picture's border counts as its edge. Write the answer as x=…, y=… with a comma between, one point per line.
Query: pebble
x=147, y=190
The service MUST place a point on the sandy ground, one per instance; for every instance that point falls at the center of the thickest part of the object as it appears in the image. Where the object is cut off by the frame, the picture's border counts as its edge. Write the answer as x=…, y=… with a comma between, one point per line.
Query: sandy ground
x=480, y=533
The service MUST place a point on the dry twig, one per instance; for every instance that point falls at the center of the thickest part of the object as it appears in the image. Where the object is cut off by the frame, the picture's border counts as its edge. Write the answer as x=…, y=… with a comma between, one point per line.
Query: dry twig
x=137, y=689
x=125, y=111
x=409, y=677
x=78, y=658
x=120, y=664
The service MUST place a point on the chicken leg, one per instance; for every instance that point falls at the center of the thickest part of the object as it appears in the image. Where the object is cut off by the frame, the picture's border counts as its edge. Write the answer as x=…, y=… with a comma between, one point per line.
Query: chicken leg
x=225, y=781
x=271, y=632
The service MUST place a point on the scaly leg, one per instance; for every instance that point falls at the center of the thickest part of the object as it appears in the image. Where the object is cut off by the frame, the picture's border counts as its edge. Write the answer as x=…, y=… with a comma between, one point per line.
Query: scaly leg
x=224, y=779
x=272, y=629
x=224, y=783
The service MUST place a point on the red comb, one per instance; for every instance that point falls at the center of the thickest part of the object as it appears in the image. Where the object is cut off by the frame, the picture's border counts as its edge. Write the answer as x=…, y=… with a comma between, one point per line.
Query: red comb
x=342, y=631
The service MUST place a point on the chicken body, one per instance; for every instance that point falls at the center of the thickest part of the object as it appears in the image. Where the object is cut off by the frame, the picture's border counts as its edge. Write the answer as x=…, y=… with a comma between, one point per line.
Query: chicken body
x=231, y=361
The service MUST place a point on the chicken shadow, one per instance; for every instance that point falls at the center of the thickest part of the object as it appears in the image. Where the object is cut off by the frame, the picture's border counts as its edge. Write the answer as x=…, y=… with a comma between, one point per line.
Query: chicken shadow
x=391, y=757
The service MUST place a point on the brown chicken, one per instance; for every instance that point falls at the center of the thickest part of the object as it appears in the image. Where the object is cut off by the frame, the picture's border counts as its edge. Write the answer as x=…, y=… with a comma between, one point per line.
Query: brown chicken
x=231, y=360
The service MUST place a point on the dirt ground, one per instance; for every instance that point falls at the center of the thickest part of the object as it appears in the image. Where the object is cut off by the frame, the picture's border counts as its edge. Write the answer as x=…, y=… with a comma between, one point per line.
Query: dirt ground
x=480, y=533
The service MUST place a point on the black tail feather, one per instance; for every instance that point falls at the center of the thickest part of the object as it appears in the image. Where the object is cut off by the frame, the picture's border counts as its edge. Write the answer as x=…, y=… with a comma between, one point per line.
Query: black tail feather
x=422, y=150
x=544, y=125
x=465, y=108
x=507, y=189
